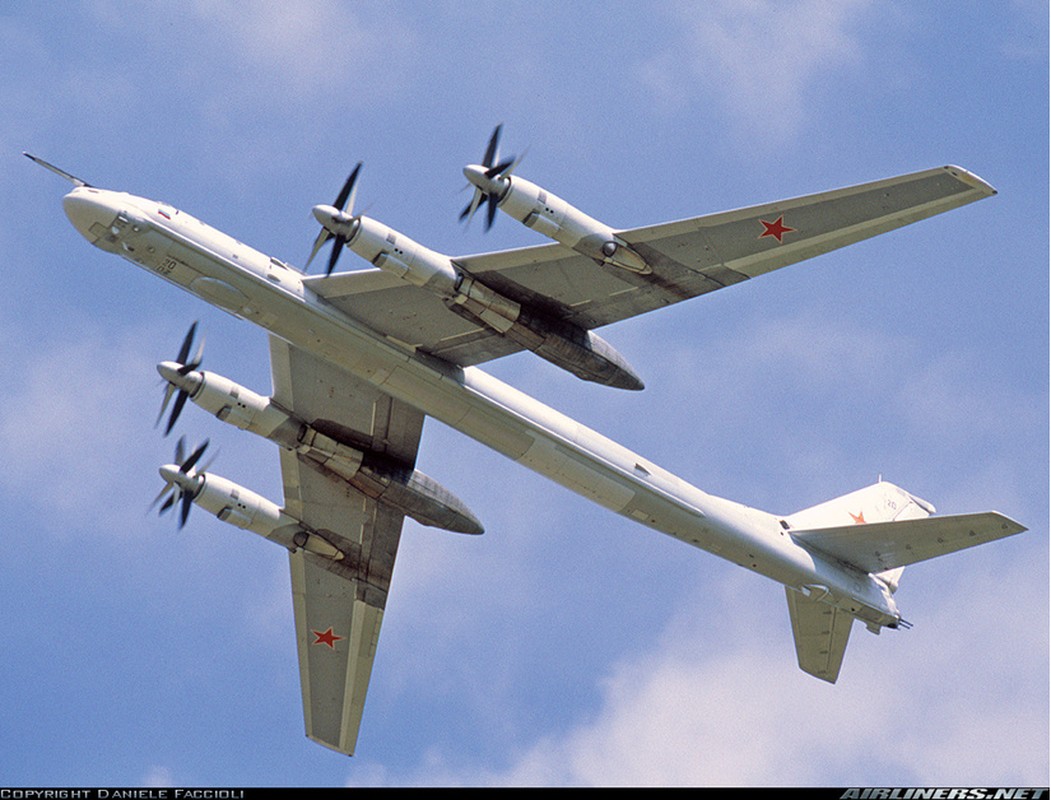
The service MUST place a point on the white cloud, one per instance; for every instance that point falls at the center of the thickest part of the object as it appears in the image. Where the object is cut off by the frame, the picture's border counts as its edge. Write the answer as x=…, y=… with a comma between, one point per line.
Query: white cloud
x=711, y=706
x=75, y=410
x=720, y=701
x=762, y=59
x=311, y=49
x=158, y=776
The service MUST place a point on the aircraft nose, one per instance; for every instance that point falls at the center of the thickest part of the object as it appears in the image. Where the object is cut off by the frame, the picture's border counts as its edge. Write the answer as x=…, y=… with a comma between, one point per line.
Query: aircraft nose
x=86, y=210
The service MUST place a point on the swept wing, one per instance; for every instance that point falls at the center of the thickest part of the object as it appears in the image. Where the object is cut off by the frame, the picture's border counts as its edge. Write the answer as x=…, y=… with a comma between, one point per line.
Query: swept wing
x=688, y=258
x=339, y=604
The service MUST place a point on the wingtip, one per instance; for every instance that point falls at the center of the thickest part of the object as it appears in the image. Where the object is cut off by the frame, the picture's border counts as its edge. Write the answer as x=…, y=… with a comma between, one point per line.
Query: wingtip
x=972, y=180
x=1007, y=523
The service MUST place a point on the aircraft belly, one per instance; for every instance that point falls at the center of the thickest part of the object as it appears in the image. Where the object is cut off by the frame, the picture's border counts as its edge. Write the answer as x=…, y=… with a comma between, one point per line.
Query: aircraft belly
x=479, y=405
x=574, y=471
x=538, y=436
x=550, y=443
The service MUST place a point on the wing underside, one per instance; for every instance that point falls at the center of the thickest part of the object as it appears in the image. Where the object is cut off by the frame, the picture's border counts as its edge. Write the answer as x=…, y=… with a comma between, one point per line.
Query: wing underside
x=336, y=636
x=688, y=258
x=339, y=604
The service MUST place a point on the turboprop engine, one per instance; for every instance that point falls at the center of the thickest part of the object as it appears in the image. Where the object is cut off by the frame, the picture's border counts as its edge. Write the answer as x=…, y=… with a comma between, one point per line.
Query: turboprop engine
x=236, y=505
x=375, y=475
x=543, y=211
x=579, y=351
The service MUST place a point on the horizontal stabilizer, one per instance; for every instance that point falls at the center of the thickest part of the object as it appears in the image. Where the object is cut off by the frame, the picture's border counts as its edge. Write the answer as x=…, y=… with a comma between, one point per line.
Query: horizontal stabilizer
x=821, y=632
x=880, y=546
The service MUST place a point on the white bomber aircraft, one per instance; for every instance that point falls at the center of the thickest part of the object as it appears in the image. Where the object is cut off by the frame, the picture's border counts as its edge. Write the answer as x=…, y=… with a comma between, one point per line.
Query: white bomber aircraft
x=360, y=358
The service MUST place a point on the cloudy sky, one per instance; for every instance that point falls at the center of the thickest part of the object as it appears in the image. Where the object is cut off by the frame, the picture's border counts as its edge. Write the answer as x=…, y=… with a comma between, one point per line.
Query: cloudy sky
x=567, y=646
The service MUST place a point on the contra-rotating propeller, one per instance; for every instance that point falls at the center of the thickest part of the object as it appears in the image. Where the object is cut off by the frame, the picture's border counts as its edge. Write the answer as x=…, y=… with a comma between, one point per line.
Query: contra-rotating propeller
x=182, y=480
x=339, y=215
x=487, y=179
x=181, y=367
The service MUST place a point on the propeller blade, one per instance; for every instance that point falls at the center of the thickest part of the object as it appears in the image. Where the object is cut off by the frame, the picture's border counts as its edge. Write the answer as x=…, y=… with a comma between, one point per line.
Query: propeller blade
x=169, y=502
x=168, y=392
x=187, y=343
x=490, y=211
x=319, y=242
x=187, y=465
x=186, y=366
x=345, y=198
x=160, y=494
x=194, y=362
x=180, y=401
x=180, y=450
x=337, y=250
x=207, y=465
x=476, y=200
x=491, y=150
x=187, y=503
x=492, y=172
x=516, y=162
x=345, y=203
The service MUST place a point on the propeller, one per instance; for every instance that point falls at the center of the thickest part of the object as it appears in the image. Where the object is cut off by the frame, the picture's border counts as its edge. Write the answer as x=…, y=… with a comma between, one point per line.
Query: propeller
x=172, y=371
x=488, y=179
x=182, y=480
x=340, y=214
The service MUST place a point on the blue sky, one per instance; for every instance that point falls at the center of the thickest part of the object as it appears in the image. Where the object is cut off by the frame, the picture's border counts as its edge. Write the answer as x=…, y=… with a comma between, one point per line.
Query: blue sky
x=567, y=646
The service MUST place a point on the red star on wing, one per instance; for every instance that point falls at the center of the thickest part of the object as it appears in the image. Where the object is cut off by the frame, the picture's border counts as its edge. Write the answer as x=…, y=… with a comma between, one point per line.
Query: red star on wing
x=777, y=228
x=859, y=519
x=326, y=637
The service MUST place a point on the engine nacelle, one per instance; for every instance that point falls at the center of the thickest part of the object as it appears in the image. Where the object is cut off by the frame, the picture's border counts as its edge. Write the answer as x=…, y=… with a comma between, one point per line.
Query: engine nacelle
x=584, y=353
x=552, y=216
x=238, y=506
x=405, y=489
x=245, y=509
x=404, y=257
x=239, y=406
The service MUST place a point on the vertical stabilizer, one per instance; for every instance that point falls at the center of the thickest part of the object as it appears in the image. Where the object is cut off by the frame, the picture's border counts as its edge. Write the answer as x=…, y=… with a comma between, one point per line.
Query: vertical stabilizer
x=880, y=502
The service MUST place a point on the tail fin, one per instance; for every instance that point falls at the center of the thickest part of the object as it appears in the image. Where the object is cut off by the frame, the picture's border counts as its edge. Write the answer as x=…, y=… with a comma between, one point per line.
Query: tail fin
x=898, y=530
x=880, y=502
x=879, y=529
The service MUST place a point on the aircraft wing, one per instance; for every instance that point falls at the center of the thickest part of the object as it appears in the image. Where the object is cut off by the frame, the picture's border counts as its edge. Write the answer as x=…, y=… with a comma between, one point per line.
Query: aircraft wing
x=339, y=605
x=688, y=258
x=821, y=632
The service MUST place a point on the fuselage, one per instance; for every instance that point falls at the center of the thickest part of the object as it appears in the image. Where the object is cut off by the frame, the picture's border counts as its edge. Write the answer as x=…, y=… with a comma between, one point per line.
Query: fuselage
x=272, y=294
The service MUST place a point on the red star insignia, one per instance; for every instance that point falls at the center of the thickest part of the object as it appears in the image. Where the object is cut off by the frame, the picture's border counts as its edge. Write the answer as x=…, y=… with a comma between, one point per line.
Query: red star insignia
x=777, y=228
x=326, y=637
x=859, y=519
